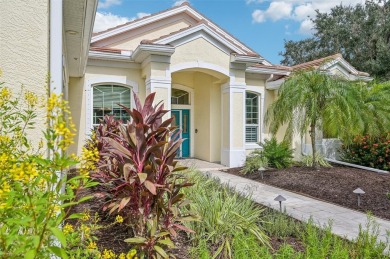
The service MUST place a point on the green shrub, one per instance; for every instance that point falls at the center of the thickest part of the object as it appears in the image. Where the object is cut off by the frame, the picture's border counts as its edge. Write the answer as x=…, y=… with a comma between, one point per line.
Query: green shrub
x=367, y=244
x=279, y=155
x=142, y=179
x=225, y=216
x=286, y=251
x=33, y=204
x=320, y=159
x=247, y=247
x=253, y=162
x=368, y=151
x=321, y=243
x=281, y=225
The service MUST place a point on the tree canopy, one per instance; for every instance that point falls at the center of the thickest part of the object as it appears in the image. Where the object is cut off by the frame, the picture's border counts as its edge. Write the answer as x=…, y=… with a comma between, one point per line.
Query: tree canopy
x=360, y=33
x=315, y=100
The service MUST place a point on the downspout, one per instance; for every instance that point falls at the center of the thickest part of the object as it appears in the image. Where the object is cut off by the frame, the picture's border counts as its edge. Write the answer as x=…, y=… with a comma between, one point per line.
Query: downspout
x=271, y=76
x=56, y=65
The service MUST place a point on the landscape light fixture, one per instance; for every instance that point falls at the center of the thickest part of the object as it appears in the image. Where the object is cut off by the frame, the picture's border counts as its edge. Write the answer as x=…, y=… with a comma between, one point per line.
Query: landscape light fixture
x=280, y=198
x=359, y=192
x=262, y=170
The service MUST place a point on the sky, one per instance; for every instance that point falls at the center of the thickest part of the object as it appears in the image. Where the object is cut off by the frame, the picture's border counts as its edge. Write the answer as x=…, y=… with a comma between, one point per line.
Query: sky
x=262, y=25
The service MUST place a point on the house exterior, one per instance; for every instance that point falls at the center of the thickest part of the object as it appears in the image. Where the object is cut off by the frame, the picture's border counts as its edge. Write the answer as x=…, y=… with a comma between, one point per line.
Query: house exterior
x=216, y=87
x=42, y=38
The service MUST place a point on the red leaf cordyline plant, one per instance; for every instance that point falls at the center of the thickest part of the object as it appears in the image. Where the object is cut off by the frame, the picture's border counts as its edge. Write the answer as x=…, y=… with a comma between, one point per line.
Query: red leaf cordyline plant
x=137, y=164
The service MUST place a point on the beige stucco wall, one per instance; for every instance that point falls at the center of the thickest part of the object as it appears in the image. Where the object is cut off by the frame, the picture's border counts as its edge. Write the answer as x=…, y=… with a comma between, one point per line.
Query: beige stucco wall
x=200, y=50
x=24, y=49
x=77, y=96
x=237, y=119
x=207, y=117
x=215, y=122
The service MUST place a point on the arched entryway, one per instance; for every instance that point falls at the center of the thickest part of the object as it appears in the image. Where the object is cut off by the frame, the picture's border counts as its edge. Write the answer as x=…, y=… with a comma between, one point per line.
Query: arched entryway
x=196, y=101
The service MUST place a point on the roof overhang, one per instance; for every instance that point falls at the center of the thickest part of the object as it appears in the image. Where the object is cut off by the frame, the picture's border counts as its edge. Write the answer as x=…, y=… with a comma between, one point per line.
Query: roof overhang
x=245, y=59
x=266, y=70
x=184, y=8
x=79, y=17
x=145, y=50
x=274, y=85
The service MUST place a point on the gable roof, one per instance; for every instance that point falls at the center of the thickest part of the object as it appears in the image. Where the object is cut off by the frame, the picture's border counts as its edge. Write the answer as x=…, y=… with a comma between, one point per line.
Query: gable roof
x=328, y=61
x=183, y=8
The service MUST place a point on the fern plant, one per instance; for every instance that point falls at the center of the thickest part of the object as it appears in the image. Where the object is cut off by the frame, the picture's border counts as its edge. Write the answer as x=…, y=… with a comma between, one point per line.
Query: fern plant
x=279, y=155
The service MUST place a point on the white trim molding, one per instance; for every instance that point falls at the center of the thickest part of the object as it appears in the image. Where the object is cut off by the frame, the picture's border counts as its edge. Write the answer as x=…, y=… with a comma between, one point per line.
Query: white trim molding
x=199, y=64
x=232, y=156
x=188, y=107
x=90, y=83
x=260, y=92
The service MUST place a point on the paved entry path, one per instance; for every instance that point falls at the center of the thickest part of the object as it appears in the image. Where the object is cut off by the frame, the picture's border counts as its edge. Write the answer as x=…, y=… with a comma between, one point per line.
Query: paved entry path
x=345, y=222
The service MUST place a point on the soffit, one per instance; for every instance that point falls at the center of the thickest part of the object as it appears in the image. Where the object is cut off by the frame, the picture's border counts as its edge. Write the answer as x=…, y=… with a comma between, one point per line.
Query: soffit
x=79, y=16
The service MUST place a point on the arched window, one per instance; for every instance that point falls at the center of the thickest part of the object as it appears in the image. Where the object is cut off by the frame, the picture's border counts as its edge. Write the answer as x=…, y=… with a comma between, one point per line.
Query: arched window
x=251, y=117
x=106, y=99
x=180, y=96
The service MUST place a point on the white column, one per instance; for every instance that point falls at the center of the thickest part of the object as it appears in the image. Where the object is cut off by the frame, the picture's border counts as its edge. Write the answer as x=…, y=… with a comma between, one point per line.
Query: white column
x=56, y=65
x=233, y=124
x=163, y=89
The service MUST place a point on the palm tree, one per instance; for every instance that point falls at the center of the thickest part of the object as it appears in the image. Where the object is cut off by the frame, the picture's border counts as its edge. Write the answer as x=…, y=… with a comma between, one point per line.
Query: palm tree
x=315, y=100
x=375, y=111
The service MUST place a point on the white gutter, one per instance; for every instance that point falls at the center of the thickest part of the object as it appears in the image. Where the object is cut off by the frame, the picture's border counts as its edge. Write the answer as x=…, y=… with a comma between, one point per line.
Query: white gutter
x=55, y=41
x=274, y=85
x=266, y=70
x=124, y=56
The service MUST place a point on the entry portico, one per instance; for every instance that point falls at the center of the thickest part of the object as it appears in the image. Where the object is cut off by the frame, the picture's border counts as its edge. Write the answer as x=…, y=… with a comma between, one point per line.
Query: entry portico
x=213, y=83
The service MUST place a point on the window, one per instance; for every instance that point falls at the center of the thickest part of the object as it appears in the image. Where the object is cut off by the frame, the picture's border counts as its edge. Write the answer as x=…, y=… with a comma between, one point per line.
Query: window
x=180, y=97
x=251, y=117
x=106, y=99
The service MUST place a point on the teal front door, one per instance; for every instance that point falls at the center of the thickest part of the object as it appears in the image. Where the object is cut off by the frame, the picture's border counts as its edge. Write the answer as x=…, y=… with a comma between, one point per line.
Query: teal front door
x=182, y=120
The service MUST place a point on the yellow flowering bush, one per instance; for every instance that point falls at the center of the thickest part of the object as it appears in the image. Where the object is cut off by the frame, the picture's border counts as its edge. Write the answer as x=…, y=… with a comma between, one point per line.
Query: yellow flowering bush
x=33, y=202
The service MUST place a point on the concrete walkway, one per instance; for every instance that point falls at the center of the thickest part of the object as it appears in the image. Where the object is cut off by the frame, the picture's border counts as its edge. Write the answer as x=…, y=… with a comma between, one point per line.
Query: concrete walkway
x=345, y=222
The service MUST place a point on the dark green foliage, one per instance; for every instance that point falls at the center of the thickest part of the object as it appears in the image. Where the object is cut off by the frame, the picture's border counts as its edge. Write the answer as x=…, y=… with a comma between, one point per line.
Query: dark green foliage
x=279, y=155
x=312, y=100
x=368, y=151
x=360, y=33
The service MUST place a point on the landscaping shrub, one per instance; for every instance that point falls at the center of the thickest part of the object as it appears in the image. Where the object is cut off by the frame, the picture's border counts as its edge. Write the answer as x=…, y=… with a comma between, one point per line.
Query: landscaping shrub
x=273, y=154
x=319, y=158
x=280, y=224
x=368, y=151
x=279, y=155
x=225, y=216
x=253, y=162
x=33, y=204
x=142, y=180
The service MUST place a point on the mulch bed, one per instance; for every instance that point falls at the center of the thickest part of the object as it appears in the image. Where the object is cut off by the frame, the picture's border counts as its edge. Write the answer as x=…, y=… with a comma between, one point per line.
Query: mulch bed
x=334, y=184
x=111, y=236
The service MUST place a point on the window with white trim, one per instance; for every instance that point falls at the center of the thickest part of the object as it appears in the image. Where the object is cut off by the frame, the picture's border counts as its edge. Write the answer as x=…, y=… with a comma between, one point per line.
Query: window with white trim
x=251, y=117
x=106, y=99
x=180, y=96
